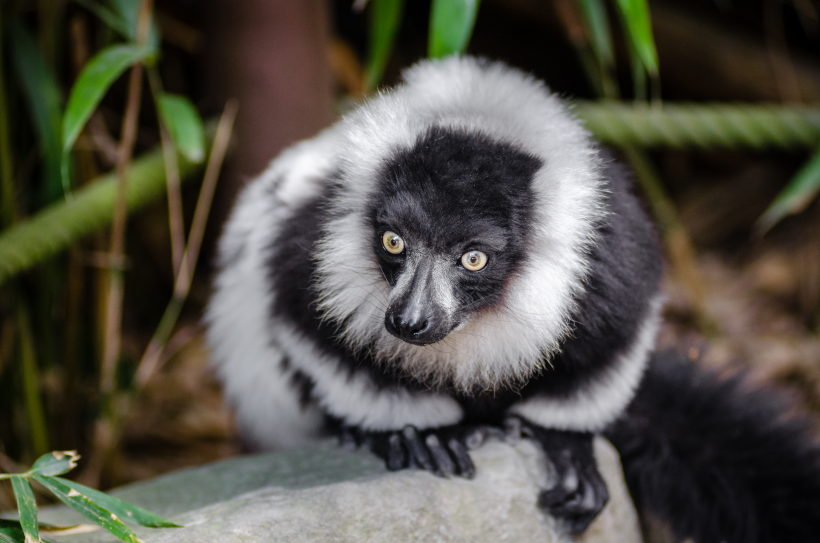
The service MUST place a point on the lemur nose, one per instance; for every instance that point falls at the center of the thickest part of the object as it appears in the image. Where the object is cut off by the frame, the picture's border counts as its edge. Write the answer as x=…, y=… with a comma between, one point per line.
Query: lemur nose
x=408, y=328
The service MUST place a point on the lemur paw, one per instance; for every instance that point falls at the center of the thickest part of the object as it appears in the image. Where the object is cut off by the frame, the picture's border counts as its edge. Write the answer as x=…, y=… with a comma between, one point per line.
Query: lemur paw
x=442, y=451
x=579, y=493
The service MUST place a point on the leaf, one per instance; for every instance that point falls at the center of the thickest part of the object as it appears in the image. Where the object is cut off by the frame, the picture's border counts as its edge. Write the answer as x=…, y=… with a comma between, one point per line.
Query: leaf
x=10, y=535
x=184, y=124
x=96, y=78
x=42, y=97
x=11, y=531
x=122, y=16
x=638, y=26
x=55, y=463
x=110, y=17
x=385, y=19
x=85, y=506
x=800, y=191
x=597, y=25
x=128, y=11
x=123, y=509
x=451, y=25
x=27, y=507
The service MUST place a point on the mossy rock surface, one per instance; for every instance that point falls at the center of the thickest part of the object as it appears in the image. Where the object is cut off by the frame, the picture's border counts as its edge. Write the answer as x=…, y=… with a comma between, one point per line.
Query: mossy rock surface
x=325, y=493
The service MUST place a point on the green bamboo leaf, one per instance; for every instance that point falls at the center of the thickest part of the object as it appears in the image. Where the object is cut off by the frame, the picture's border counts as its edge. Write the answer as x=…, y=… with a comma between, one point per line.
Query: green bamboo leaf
x=10, y=535
x=385, y=19
x=26, y=507
x=638, y=26
x=11, y=532
x=122, y=16
x=97, y=76
x=55, y=463
x=597, y=25
x=799, y=192
x=110, y=17
x=451, y=25
x=88, y=508
x=122, y=509
x=184, y=124
x=128, y=11
x=42, y=97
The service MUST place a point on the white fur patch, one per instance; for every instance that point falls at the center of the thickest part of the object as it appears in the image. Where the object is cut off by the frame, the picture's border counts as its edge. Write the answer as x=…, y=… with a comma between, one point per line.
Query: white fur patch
x=352, y=396
x=594, y=406
x=248, y=363
x=512, y=341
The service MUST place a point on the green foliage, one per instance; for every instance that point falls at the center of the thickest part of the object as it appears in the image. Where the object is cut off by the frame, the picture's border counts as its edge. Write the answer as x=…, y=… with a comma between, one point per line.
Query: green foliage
x=55, y=463
x=11, y=532
x=797, y=195
x=56, y=227
x=638, y=25
x=121, y=16
x=104, y=510
x=597, y=25
x=122, y=509
x=184, y=124
x=451, y=25
x=27, y=507
x=42, y=96
x=94, y=81
x=385, y=19
x=89, y=509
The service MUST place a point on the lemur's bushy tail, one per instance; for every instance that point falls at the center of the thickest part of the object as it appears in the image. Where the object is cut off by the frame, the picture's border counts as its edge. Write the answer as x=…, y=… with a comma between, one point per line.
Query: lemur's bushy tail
x=716, y=461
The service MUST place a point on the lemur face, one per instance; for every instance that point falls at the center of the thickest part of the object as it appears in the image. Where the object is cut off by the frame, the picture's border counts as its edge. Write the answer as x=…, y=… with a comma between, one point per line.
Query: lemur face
x=449, y=225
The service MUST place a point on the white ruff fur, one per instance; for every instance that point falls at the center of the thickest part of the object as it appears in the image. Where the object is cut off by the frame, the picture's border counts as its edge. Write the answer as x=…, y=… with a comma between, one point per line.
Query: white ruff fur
x=600, y=402
x=248, y=362
x=514, y=340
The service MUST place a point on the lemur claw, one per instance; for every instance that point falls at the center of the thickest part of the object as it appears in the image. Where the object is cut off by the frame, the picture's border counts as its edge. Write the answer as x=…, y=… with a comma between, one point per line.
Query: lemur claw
x=579, y=492
x=442, y=451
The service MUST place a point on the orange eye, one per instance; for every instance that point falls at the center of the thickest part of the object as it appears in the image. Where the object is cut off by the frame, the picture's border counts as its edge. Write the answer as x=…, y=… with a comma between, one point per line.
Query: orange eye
x=474, y=260
x=392, y=243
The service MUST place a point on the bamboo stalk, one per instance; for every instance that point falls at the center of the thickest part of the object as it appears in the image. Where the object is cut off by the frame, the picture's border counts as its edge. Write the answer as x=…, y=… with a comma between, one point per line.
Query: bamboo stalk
x=151, y=358
x=57, y=226
x=175, y=216
x=31, y=383
x=113, y=320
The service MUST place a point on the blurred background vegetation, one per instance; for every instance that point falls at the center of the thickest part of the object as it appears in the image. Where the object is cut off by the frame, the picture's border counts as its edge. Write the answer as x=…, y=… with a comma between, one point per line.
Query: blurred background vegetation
x=714, y=103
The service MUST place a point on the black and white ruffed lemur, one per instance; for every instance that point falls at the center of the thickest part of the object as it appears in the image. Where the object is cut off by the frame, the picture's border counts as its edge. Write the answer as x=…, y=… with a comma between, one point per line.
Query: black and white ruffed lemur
x=457, y=253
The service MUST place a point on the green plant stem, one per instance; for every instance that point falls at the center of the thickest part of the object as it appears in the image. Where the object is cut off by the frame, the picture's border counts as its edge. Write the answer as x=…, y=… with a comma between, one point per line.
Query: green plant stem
x=56, y=227
x=151, y=358
x=113, y=321
x=31, y=383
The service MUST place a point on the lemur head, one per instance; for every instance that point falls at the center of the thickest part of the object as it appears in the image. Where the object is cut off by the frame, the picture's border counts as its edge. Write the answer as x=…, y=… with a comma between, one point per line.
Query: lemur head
x=450, y=224
x=464, y=210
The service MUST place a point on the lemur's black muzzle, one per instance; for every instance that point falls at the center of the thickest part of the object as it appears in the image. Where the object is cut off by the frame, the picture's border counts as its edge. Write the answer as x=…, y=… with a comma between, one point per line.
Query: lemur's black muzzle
x=416, y=316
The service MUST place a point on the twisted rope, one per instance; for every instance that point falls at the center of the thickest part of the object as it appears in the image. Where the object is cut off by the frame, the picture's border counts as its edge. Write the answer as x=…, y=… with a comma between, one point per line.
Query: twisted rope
x=617, y=124
x=701, y=125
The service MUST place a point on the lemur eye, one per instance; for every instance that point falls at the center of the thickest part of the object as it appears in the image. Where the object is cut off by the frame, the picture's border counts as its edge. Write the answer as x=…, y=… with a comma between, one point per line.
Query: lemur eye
x=474, y=260
x=392, y=243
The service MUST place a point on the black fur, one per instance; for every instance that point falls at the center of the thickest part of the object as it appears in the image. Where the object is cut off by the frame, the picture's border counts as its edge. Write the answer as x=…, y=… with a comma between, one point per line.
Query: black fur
x=625, y=272
x=292, y=271
x=454, y=192
x=716, y=461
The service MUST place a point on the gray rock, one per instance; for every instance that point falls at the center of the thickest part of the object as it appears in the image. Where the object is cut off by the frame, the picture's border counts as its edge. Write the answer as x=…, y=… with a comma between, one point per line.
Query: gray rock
x=327, y=494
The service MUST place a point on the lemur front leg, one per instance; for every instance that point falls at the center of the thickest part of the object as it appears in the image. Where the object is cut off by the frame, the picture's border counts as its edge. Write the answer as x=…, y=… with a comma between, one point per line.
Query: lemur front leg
x=579, y=492
x=443, y=450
